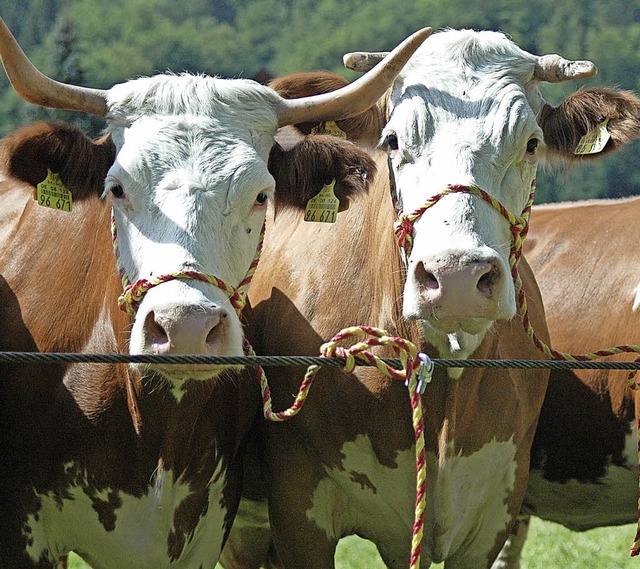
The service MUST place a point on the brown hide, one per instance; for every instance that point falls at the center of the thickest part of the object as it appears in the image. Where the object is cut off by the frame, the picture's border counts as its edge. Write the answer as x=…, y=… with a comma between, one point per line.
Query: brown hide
x=352, y=274
x=580, y=256
x=363, y=127
x=59, y=288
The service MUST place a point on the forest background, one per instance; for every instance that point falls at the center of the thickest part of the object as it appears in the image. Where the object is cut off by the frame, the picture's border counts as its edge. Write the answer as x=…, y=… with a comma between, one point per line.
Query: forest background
x=99, y=43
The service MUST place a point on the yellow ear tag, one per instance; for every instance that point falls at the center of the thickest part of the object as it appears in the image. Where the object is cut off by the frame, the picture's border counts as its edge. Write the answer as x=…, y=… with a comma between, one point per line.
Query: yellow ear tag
x=324, y=206
x=330, y=128
x=52, y=193
x=594, y=141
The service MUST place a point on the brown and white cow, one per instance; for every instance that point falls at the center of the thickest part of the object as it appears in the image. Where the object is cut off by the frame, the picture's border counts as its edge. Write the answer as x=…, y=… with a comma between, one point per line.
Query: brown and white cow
x=465, y=111
x=140, y=466
x=584, y=459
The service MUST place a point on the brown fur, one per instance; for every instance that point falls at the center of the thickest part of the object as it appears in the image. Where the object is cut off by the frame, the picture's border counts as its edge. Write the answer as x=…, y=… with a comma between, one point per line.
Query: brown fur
x=582, y=259
x=365, y=126
x=301, y=172
x=28, y=152
x=582, y=111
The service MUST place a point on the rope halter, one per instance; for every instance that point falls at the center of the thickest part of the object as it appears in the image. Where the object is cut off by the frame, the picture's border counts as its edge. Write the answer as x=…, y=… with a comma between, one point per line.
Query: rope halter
x=133, y=293
x=519, y=225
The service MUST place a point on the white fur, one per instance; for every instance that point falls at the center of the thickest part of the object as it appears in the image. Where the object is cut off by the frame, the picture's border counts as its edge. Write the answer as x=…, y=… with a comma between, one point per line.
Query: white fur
x=69, y=522
x=465, y=500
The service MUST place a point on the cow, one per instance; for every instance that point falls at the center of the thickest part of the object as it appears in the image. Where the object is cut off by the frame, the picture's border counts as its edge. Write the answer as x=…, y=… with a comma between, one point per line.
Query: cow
x=139, y=466
x=464, y=115
x=584, y=459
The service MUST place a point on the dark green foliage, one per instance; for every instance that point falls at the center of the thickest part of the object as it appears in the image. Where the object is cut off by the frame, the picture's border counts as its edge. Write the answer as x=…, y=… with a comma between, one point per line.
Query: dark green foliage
x=99, y=43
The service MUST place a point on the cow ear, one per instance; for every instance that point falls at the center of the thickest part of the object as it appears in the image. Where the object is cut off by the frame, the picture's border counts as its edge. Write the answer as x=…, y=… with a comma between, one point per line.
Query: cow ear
x=611, y=114
x=302, y=171
x=28, y=153
x=365, y=126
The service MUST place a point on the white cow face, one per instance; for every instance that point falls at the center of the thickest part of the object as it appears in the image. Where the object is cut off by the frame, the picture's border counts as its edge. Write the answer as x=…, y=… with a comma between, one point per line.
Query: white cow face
x=463, y=112
x=189, y=193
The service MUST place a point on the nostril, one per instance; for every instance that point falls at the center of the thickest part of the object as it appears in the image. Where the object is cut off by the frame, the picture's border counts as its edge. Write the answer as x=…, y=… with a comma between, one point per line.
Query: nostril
x=217, y=327
x=487, y=281
x=426, y=279
x=154, y=331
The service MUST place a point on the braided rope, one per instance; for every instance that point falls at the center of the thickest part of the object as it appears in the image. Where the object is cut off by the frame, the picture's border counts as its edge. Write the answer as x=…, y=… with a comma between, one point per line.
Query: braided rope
x=413, y=372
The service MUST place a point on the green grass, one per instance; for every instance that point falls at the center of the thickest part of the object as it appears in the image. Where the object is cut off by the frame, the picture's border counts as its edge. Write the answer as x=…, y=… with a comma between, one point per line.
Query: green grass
x=549, y=546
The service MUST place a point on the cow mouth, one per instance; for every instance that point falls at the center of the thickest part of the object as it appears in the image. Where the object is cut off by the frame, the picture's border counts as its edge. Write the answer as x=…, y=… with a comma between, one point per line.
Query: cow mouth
x=183, y=372
x=451, y=325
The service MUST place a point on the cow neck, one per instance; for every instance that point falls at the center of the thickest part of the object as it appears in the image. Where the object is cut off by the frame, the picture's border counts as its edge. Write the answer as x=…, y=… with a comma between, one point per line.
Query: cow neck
x=133, y=293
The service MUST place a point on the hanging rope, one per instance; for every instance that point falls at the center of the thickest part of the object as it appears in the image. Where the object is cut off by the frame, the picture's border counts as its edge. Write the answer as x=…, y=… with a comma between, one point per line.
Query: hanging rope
x=416, y=371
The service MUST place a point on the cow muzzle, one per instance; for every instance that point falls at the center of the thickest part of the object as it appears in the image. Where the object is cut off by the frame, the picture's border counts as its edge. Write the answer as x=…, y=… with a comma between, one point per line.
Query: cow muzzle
x=181, y=318
x=459, y=291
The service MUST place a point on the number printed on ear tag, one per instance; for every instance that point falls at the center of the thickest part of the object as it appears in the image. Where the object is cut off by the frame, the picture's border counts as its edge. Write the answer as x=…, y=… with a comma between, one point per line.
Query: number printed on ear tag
x=52, y=193
x=323, y=207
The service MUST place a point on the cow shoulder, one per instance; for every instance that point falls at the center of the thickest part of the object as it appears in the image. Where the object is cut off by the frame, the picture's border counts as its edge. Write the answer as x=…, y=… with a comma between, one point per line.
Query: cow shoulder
x=582, y=112
x=302, y=171
x=364, y=128
x=82, y=164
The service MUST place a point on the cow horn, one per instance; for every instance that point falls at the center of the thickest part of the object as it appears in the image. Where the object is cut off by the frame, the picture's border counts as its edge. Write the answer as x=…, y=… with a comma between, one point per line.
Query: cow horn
x=554, y=69
x=39, y=89
x=362, y=61
x=356, y=97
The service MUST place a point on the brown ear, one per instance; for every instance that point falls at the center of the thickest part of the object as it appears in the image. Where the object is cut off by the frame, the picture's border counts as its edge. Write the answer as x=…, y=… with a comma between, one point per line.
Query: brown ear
x=582, y=112
x=82, y=164
x=365, y=125
x=301, y=172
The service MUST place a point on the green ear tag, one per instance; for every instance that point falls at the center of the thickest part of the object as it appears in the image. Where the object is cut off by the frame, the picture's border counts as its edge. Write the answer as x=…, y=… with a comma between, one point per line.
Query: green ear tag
x=52, y=193
x=324, y=206
x=594, y=141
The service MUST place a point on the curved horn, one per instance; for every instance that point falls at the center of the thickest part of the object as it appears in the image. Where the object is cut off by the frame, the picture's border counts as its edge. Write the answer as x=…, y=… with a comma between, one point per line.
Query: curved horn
x=39, y=89
x=362, y=61
x=554, y=69
x=356, y=97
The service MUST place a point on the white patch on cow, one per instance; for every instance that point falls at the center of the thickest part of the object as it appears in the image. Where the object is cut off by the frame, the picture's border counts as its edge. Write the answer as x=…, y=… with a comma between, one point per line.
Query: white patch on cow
x=466, y=500
x=456, y=345
x=610, y=500
x=69, y=522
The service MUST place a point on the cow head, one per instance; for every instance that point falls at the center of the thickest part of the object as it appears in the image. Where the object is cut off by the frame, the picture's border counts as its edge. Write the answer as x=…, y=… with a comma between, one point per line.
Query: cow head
x=466, y=111
x=189, y=185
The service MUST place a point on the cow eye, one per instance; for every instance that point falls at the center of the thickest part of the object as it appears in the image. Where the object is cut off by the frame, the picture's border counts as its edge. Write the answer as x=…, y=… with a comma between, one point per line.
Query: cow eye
x=261, y=198
x=117, y=191
x=532, y=145
x=392, y=141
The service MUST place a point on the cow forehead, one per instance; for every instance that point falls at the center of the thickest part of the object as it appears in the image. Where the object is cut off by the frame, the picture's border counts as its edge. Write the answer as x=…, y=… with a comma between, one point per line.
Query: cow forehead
x=467, y=76
x=192, y=152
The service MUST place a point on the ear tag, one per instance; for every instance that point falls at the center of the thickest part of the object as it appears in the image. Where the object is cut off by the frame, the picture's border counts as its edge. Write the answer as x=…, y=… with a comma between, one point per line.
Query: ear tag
x=52, y=193
x=594, y=141
x=330, y=128
x=324, y=206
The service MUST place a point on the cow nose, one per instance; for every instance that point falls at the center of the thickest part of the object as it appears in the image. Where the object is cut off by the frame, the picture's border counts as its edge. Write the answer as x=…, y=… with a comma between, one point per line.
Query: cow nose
x=472, y=278
x=185, y=330
x=460, y=287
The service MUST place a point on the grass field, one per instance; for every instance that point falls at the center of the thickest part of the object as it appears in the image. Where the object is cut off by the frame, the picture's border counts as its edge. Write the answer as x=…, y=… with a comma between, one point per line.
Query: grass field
x=550, y=546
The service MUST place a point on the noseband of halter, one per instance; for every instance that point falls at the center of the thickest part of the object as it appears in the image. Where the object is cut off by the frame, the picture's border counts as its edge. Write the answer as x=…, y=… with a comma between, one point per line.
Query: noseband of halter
x=133, y=293
x=403, y=227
